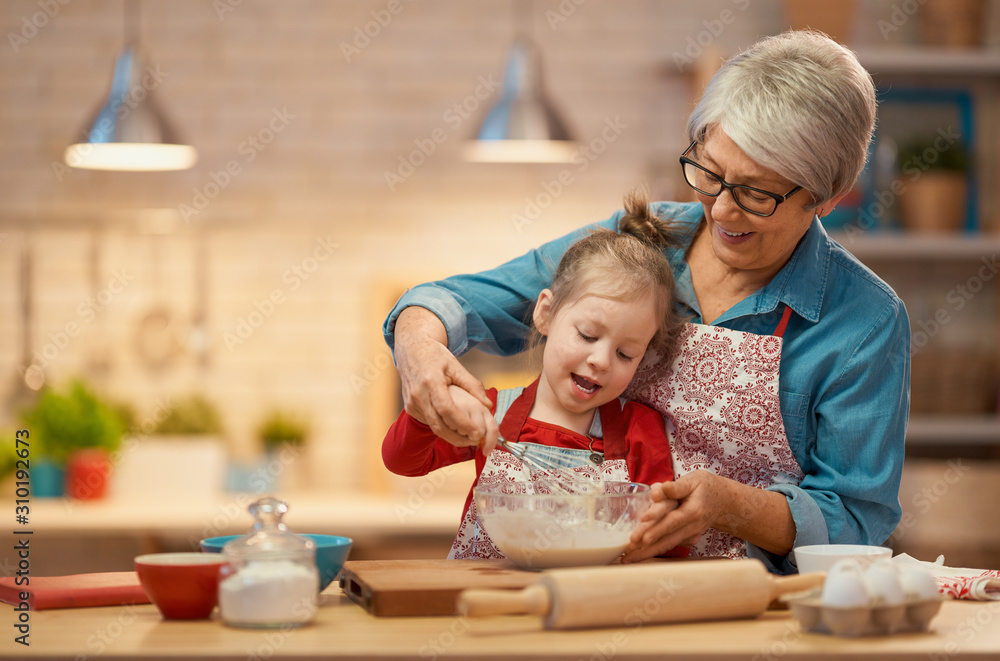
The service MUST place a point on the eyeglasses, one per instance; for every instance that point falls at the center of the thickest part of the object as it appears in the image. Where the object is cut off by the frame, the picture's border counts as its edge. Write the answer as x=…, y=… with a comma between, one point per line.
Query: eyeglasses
x=753, y=200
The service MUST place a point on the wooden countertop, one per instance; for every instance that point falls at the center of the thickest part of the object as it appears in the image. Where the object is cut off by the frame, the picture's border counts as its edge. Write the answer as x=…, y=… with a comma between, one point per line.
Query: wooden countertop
x=344, y=631
x=223, y=514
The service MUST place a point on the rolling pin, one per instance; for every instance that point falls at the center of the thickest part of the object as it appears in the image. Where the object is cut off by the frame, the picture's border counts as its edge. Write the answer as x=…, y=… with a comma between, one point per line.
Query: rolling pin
x=633, y=595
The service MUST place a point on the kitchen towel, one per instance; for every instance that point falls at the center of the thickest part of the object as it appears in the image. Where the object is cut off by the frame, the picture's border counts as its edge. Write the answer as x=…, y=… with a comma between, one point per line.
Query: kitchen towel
x=75, y=591
x=958, y=582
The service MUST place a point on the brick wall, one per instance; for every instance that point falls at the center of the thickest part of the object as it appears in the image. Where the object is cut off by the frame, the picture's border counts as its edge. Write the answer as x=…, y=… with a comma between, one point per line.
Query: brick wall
x=333, y=124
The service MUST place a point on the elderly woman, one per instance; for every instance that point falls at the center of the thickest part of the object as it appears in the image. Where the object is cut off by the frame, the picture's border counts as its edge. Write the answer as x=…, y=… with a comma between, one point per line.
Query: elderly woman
x=788, y=400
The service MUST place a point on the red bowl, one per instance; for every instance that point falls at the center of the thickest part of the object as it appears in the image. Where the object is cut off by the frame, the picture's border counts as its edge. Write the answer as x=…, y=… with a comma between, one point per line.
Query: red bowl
x=184, y=586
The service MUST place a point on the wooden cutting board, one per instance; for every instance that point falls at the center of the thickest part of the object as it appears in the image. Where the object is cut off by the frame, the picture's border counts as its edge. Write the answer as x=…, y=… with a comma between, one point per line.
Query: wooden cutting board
x=390, y=588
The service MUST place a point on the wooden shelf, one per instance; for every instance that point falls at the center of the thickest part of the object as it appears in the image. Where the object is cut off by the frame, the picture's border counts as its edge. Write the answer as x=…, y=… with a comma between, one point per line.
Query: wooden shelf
x=982, y=430
x=930, y=61
x=896, y=245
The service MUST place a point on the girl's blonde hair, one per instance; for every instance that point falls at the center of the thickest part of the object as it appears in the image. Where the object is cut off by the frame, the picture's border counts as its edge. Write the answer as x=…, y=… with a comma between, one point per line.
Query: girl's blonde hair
x=623, y=265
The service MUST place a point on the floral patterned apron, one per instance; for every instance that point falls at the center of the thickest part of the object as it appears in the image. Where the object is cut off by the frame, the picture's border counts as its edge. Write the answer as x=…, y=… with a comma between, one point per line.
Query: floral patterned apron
x=720, y=400
x=472, y=541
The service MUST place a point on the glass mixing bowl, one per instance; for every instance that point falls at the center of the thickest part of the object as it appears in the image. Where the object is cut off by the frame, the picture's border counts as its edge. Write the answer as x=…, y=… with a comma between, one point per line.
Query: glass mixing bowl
x=538, y=529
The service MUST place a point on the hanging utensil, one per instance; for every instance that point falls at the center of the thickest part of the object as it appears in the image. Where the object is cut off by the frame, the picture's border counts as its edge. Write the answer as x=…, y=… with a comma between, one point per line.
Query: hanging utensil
x=198, y=338
x=30, y=377
x=156, y=337
x=98, y=359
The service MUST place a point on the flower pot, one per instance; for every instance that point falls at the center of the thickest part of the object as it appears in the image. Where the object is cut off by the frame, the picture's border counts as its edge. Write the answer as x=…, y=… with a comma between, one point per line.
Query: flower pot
x=934, y=203
x=952, y=23
x=835, y=19
x=87, y=474
x=47, y=479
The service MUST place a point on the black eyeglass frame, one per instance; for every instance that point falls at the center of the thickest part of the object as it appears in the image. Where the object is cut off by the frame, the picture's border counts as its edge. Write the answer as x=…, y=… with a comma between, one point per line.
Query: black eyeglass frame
x=778, y=199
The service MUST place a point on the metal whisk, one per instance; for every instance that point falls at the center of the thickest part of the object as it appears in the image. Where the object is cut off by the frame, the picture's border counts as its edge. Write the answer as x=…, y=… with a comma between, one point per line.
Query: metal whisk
x=558, y=478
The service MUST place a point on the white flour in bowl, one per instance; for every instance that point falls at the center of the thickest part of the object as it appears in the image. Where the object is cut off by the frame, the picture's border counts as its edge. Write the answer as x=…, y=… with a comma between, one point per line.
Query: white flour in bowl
x=537, y=540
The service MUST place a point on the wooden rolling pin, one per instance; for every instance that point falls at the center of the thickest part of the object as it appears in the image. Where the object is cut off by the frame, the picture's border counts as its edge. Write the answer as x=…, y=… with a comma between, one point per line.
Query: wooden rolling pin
x=633, y=595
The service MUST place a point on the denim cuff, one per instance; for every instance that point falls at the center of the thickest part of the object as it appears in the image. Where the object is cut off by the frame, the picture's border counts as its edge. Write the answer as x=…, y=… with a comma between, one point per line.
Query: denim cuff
x=810, y=528
x=442, y=303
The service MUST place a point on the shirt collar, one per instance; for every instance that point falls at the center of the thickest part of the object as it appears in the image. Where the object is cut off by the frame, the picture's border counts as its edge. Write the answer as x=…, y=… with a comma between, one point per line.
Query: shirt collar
x=800, y=284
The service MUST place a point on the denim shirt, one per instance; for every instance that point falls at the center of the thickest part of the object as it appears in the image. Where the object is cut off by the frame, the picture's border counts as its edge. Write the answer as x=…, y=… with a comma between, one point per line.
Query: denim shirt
x=844, y=379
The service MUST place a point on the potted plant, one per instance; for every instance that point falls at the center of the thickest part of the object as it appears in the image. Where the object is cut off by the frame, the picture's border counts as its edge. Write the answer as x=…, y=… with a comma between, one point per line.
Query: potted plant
x=73, y=431
x=283, y=435
x=933, y=184
x=280, y=427
x=182, y=455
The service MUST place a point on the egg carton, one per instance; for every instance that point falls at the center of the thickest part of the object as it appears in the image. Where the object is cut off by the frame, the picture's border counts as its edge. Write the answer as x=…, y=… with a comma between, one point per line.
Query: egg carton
x=913, y=615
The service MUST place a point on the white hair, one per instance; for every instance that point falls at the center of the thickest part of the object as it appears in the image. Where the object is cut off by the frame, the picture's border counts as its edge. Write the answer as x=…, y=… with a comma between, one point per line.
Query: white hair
x=797, y=103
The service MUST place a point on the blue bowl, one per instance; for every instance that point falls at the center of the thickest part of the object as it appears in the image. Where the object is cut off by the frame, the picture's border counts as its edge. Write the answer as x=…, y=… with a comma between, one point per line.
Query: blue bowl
x=331, y=552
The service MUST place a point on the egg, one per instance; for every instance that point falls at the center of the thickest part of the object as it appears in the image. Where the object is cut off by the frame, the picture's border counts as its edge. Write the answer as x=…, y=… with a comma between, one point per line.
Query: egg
x=883, y=582
x=917, y=583
x=844, y=586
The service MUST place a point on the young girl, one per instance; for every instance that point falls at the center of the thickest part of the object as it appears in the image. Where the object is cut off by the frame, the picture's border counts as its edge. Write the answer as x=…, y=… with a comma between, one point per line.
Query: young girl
x=611, y=298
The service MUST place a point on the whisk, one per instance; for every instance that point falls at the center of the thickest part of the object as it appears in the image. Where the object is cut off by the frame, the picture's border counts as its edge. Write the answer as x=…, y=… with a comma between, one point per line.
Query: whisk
x=556, y=477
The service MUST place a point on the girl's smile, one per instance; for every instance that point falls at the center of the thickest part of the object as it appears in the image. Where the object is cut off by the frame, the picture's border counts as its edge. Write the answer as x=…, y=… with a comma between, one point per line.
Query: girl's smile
x=593, y=346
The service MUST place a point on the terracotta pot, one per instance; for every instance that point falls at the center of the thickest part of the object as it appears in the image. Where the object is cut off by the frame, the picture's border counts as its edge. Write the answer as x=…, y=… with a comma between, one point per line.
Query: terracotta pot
x=87, y=474
x=953, y=23
x=836, y=19
x=934, y=203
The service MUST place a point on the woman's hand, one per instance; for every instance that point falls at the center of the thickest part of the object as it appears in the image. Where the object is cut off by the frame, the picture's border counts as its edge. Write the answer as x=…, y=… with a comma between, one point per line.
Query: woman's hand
x=705, y=500
x=681, y=511
x=426, y=370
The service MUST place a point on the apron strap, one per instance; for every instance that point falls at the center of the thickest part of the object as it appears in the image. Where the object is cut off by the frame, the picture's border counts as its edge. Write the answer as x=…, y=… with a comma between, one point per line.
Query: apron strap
x=783, y=324
x=513, y=421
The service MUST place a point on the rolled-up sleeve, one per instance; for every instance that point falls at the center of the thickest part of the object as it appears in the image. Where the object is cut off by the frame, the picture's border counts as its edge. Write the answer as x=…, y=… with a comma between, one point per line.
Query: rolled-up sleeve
x=850, y=494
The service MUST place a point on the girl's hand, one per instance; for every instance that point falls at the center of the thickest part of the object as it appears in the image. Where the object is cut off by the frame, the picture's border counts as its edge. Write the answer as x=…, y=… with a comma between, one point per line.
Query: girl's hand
x=426, y=370
x=485, y=424
x=681, y=512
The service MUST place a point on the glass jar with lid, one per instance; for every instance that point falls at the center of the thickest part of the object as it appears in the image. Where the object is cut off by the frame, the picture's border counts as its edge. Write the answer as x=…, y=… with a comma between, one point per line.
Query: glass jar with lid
x=272, y=580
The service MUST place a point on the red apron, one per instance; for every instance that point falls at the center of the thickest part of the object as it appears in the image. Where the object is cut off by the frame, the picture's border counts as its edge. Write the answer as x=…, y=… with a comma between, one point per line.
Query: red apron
x=720, y=400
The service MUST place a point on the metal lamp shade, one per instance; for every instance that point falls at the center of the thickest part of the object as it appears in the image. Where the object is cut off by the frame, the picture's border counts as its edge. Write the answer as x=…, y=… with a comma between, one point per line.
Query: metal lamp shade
x=130, y=131
x=524, y=126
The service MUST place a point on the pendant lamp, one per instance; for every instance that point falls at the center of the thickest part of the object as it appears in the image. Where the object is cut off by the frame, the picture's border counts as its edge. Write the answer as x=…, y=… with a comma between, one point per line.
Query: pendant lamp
x=524, y=126
x=129, y=131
